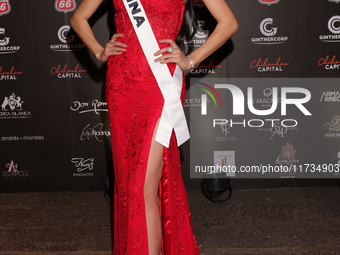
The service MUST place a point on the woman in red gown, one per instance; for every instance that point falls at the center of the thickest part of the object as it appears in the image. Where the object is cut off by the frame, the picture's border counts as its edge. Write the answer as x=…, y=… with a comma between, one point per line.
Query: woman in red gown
x=151, y=210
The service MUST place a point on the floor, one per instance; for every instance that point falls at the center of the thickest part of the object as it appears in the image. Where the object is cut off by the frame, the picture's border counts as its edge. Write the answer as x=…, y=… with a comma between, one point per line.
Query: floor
x=280, y=221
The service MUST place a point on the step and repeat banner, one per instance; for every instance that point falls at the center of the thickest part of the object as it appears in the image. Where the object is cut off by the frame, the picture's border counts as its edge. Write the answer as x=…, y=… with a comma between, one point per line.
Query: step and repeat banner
x=55, y=132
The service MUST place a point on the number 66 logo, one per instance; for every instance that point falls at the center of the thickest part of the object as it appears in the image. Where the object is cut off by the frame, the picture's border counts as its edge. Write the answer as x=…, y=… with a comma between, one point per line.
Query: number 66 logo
x=65, y=5
x=5, y=7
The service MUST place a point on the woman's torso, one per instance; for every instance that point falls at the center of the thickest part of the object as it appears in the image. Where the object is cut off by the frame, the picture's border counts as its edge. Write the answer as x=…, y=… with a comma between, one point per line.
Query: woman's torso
x=131, y=66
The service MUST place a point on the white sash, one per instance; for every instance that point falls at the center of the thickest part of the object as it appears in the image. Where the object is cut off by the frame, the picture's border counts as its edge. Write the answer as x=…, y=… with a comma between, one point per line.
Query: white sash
x=172, y=113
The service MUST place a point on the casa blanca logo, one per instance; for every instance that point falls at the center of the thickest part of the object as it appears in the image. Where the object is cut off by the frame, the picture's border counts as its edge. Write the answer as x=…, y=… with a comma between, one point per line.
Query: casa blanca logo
x=5, y=7
x=65, y=5
x=12, y=102
x=12, y=108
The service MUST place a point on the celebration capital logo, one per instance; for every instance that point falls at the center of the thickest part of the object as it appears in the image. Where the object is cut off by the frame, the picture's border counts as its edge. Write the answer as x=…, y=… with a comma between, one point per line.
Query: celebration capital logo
x=5, y=7
x=268, y=2
x=65, y=5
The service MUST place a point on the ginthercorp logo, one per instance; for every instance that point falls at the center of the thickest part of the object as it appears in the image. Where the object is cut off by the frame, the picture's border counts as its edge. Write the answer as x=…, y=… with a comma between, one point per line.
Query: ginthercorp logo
x=5, y=48
x=65, y=5
x=204, y=97
x=5, y=7
x=67, y=38
x=63, y=34
x=13, y=172
x=268, y=29
x=269, y=2
x=82, y=165
x=200, y=36
x=334, y=27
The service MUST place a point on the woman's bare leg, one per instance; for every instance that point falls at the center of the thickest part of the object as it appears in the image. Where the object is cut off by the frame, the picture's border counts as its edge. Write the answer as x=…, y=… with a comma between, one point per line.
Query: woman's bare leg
x=152, y=178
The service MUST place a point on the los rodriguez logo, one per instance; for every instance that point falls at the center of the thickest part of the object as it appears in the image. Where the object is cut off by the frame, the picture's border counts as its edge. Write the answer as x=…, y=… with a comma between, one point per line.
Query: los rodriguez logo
x=5, y=7
x=65, y=5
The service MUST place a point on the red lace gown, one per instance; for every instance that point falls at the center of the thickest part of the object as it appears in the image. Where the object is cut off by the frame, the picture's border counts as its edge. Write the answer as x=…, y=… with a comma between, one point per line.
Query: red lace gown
x=135, y=104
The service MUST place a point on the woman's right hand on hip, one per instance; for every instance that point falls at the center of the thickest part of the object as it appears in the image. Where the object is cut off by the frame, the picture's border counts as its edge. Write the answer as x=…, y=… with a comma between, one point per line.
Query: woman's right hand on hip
x=113, y=47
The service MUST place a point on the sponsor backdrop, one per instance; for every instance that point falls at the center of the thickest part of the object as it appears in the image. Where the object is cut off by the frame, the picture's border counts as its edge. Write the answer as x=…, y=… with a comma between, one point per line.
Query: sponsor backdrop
x=55, y=132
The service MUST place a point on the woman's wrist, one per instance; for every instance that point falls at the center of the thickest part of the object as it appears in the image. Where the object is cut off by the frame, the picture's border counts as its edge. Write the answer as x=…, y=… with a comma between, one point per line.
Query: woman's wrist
x=190, y=60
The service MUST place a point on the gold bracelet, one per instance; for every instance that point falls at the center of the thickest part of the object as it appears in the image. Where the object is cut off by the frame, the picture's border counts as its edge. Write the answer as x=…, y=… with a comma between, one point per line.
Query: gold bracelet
x=192, y=65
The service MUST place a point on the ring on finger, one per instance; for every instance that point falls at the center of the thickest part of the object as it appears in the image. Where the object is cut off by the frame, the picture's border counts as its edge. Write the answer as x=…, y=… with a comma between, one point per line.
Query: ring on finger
x=170, y=49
